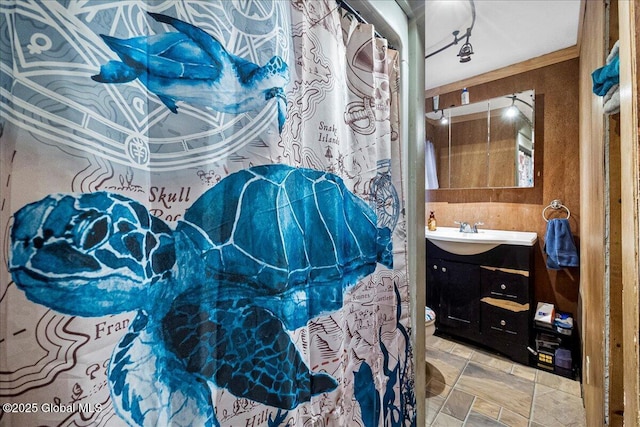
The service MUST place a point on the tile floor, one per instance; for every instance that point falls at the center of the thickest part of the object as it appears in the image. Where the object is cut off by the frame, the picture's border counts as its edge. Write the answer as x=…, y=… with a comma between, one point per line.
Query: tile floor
x=468, y=386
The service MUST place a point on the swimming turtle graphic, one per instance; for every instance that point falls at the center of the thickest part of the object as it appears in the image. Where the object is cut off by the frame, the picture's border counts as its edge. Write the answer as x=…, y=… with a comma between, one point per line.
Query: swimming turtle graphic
x=262, y=252
x=192, y=66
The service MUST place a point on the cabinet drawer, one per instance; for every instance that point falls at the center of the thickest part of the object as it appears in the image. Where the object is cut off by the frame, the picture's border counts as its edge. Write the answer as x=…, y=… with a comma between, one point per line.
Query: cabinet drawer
x=497, y=283
x=505, y=323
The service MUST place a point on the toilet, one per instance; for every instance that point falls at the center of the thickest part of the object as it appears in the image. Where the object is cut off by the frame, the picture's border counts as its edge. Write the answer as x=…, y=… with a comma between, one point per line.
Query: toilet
x=429, y=321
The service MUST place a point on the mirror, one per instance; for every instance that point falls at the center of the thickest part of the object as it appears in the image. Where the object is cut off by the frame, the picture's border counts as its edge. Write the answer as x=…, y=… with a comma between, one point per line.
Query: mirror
x=488, y=144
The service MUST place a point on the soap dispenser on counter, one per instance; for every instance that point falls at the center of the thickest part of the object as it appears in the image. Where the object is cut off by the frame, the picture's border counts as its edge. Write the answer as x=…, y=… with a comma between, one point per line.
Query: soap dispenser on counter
x=431, y=222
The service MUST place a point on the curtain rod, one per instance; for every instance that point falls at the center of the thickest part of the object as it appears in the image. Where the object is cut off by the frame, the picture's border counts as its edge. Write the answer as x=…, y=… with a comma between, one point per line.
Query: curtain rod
x=344, y=5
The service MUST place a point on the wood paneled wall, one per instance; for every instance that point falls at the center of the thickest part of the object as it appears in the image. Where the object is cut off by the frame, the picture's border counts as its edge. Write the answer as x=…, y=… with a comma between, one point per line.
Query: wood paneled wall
x=558, y=85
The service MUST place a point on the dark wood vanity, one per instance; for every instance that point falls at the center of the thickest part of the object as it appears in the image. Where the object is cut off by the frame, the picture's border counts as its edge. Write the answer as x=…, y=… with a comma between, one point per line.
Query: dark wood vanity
x=486, y=298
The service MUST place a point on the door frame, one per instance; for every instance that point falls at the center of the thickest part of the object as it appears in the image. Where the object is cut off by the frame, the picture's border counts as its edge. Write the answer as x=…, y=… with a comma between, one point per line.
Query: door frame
x=630, y=172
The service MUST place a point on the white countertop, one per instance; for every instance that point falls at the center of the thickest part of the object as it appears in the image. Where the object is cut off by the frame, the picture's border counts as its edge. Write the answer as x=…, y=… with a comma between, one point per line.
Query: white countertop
x=451, y=239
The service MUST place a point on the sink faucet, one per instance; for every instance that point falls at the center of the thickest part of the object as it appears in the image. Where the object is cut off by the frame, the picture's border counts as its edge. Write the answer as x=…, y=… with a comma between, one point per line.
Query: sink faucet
x=465, y=227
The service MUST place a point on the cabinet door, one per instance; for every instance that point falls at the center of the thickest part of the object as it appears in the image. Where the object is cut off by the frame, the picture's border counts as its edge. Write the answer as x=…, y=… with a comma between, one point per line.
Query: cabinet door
x=434, y=277
x=459, y=296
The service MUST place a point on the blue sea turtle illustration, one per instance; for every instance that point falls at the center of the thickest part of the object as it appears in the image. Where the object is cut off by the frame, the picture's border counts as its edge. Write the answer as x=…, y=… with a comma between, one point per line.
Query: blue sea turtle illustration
x=192, y=66
x=264, y=251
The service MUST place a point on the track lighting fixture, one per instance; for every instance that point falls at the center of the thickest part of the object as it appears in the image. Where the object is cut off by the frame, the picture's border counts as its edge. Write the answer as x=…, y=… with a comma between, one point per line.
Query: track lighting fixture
x=512, y=111
x=466, y=50
x=443, y=118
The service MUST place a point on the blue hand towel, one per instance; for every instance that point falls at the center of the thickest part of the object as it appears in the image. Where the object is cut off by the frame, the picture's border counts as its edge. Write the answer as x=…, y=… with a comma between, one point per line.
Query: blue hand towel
x=559, y=246
x=606, y=77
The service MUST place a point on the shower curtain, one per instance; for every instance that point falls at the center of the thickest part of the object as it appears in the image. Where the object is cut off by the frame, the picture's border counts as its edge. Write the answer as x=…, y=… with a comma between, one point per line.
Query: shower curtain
x=430, y=168
x=202, y=217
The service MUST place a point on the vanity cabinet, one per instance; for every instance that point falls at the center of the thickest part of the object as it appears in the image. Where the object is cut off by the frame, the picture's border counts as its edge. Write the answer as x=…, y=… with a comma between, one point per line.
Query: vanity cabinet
x=486, y=298
x=457, y=309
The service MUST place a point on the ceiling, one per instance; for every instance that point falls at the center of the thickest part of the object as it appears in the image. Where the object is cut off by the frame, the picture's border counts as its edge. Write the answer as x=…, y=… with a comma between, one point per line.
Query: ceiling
x=504, y=33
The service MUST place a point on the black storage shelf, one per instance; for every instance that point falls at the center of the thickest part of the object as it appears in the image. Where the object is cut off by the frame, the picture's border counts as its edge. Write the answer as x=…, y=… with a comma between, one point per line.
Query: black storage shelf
x=568, y=342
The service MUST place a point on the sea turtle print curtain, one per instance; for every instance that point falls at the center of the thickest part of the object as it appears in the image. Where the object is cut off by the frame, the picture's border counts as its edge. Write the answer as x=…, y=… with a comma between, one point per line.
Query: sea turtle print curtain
x=202, y=216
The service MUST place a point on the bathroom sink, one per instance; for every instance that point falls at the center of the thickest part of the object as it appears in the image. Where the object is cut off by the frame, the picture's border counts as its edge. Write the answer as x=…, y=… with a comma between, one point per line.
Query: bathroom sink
x=452, y=240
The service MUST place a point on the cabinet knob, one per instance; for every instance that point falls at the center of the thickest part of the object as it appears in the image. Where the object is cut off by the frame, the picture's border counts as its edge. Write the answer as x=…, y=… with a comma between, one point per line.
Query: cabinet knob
x=444, y=269
x=435, y=267
x=503, y=286
x=502, y=323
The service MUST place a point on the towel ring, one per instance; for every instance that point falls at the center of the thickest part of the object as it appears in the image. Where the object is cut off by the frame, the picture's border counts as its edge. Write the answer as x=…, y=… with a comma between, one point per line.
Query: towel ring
x=556, y=204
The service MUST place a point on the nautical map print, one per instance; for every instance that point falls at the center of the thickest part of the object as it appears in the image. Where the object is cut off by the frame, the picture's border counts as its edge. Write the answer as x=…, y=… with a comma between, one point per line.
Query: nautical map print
x=264, y=251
